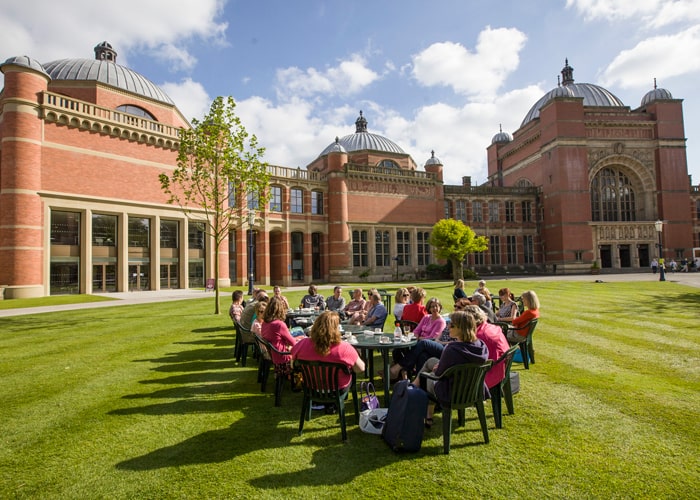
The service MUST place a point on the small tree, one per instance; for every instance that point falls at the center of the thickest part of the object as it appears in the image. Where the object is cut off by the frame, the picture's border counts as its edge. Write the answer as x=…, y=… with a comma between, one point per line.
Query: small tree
x=217, y=160
x=453, y=241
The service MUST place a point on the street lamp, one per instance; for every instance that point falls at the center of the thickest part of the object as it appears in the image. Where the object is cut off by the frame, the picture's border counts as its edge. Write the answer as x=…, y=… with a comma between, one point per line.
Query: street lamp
x=659, y=224
x=251, y=274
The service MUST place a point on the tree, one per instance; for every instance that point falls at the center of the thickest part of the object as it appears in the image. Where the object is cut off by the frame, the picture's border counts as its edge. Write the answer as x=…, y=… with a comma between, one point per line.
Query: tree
x=453, y=241
x=217, y=161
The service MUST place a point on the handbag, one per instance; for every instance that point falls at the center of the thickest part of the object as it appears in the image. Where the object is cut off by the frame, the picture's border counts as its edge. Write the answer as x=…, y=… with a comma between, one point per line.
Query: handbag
x=369, y=397
x=372, y=421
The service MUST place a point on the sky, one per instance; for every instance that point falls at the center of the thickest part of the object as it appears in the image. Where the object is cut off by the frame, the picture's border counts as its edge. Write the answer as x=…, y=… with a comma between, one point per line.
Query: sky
x=438, y=76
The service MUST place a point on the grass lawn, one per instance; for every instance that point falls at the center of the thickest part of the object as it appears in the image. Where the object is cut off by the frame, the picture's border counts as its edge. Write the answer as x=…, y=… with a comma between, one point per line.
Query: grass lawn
x=145, y=401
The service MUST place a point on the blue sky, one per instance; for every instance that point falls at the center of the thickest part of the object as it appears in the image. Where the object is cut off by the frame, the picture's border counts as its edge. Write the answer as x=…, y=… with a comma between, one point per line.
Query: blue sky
x=439, y=75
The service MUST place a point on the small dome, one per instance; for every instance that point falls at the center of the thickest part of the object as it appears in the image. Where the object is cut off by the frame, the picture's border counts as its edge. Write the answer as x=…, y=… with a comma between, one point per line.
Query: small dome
x=593, y=95
x=336, y=147
x=362, y=140
x=655, y=94
x=27, y=62
x=501, y=137
x=433, y=160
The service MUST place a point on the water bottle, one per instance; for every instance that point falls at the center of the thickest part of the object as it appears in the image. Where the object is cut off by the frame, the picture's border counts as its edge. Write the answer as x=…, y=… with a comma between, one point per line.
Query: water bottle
x=397, y=334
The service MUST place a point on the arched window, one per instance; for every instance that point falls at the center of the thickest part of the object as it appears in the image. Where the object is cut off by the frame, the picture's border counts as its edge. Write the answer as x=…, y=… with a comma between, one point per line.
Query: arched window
x=612, y=196
x=388, y=164
x=136, y=111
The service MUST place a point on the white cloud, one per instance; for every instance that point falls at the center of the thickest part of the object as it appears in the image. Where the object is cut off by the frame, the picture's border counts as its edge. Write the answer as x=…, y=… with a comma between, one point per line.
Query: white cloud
x=478, y=73
x=655, y=57
x=190, y=97
x=653, y=13
x=348, y=77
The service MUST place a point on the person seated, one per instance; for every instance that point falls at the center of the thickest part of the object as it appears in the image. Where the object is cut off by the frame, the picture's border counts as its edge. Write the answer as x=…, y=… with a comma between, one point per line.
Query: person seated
x=324, y=344
x=459, y=292
x=466, y=349
x=492, y=335
x=277, y=292
x=485, y=292
x=509, y=308
x=336, y=302
x=355, y=309
x=256, y=325
x=479, y=300
x=249, y=311
x=400, y=301
x=431, y=325
x=415, y=310
x=518, y=331
x=276, y=332
x=377, y=313
x=313, y=300
x=236, y=308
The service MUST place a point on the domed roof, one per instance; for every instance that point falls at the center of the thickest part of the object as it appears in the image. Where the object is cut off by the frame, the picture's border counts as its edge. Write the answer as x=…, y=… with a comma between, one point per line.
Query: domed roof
x=593, y=95
x=25, y=61
x=104, y=69
x=501, y=136
x=655, y=94
x=336, y=147
x=362, y=140
x=433, y=160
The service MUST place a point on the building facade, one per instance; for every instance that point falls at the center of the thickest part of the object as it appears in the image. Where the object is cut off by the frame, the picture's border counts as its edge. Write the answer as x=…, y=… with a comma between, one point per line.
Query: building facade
x=82, y=142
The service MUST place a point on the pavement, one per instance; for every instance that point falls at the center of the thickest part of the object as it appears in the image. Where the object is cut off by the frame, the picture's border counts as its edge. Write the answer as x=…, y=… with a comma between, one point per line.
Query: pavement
x=129, y=298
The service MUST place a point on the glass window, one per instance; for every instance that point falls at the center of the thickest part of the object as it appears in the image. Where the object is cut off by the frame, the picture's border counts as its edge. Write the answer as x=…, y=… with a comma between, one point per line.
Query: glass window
x=317, y=202
x=477, y=213
x=528, y=250
x=612, y=196
x=697, y=209
x=195, y=273
x=298, y=256
x=136, y=111
x=526, y=208
x=461, y=210
x=297, y=201
x=479, y=259
x=387, y=164
x=231, y=195
x=195, y=235
x=168, y=234
x=381, y=249
x=139, y=232
x=511, y=250
x=448, y=212
x=495, y=249
x=65, y=228
x=403, y=248
x=65, y=277
x=252, y=201
x=493, y=211
x=104, y=230
x=510, y=211
x=275, y=199
x=359, y=249
x=423, y=248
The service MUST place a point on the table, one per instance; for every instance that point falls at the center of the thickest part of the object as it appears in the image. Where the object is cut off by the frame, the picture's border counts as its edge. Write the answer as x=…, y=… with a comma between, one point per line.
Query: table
x=372, y=343
x=301, y=317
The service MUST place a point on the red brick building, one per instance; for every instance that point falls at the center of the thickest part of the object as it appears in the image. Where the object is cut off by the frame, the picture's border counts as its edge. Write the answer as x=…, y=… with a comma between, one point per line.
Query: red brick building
x=82, y=142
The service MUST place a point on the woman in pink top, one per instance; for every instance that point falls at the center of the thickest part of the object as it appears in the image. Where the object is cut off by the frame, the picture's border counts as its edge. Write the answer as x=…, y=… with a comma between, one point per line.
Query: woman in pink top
x=275, y=330
x=325, y=344
x=492, y=336
x=432, y=325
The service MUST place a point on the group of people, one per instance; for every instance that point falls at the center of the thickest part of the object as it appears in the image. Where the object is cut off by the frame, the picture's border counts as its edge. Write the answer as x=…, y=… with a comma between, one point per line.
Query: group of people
x=685, y=265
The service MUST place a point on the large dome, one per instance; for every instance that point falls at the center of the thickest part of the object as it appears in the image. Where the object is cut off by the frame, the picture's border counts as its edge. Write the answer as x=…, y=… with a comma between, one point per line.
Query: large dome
x=593, y=95
x=104, y=69
x=363, y=140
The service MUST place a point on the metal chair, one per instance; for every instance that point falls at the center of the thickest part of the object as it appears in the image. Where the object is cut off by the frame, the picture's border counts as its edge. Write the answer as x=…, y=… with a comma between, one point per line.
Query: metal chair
x=244, y=338
x=503, y=388
x=527, y=350
x=282, y=370
x=467, y=390
x=320, y=385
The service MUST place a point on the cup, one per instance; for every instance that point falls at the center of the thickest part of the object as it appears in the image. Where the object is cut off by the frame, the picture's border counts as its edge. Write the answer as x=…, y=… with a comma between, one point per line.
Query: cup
x=377, y=330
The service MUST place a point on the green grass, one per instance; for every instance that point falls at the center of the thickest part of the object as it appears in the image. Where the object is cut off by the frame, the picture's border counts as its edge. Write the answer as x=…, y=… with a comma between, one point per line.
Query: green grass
x=55, y=300
x=145, y=402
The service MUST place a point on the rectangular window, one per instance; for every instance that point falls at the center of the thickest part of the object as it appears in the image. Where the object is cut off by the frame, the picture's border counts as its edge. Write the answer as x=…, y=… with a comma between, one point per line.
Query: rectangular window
x=423, y=248
x=526, y=207
x=317, y=202
x=511, y=250
x=195, y=235
x=231, y=195
x=697, y=209
x=495, y=249
x=168, y=234
x=448, y=212
x=275, y=199
x=528, y=250
x=510, y=211
x=104, y=230
x=252, y=201
x=477, y=213
x=297, y=201
x=479, y=259
x=403, y=248
x=381, y=249
x=461, y=210
x=65, y=228
x=297, y=256
x=359, y=249
x=493, y=211
x=139, y=232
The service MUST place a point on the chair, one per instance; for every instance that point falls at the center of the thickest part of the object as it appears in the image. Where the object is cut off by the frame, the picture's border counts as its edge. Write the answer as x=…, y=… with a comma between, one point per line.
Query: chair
x=282, y=370
x=467, y=390
x=320, y=385
x=406, y=323
x=527, y=350
x=503, y=389
x=244, y=338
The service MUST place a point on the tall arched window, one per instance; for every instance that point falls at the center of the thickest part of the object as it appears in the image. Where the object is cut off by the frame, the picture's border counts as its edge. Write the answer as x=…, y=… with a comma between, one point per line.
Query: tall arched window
x=612, y=196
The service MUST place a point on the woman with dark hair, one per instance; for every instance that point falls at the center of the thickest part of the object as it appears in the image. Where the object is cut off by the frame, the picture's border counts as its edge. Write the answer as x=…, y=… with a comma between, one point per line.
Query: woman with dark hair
x=325, y=344
x=508, y=310
x=275, y=330
x=313, y=300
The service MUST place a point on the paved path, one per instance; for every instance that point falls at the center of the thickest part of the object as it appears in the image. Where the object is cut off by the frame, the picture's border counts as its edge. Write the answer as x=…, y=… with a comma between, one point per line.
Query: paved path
x=127, y=298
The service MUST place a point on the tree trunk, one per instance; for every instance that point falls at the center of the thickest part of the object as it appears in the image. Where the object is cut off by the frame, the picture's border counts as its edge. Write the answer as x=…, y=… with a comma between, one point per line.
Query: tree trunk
x=217, y=307
x=457, y=269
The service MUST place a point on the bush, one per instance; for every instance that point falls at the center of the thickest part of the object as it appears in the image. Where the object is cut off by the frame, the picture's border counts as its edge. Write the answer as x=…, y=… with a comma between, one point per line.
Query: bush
x=439, y=271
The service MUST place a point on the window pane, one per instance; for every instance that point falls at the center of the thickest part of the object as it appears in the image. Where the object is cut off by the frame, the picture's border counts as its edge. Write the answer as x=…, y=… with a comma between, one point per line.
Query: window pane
x=276, y=199
x=168, y=234
x=65, y=228
x=139, y=232
x=297, y=201
x=104, y=230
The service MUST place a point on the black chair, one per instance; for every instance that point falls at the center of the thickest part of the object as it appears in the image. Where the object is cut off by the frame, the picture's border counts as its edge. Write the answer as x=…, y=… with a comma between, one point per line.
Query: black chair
x=503, y=388
x=244, y=338
x=527, y=350
x=406, y=323
x=467, y=385
x=320, y=385
x=282, y=370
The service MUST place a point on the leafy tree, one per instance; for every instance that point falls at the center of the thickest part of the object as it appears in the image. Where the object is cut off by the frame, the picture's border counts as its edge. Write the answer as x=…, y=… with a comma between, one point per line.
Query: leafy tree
x=217, y=162
x=453, y=241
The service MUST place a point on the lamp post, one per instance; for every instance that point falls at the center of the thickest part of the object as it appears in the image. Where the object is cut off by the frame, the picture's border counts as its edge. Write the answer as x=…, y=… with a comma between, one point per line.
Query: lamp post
x=251, y=274
x=659, y=224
